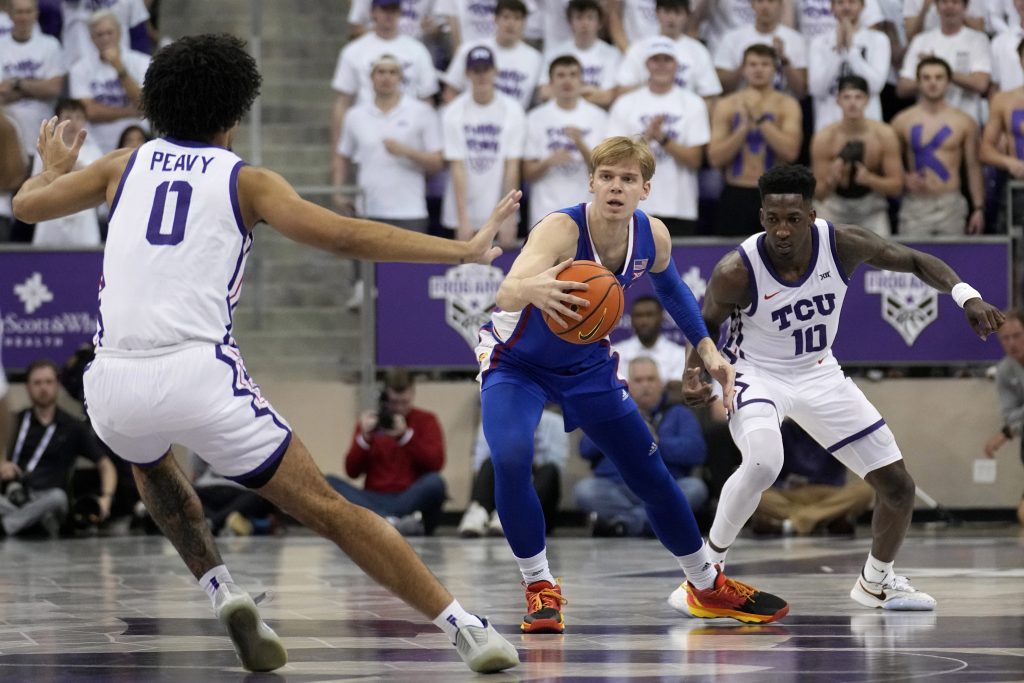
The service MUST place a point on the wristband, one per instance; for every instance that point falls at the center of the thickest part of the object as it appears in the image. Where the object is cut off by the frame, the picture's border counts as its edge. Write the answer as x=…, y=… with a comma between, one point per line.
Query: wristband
x=963, y=292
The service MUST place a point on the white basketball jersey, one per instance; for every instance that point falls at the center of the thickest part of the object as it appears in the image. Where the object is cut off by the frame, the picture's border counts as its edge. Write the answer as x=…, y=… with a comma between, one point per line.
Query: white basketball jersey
x=789, y=325
x=176, y=249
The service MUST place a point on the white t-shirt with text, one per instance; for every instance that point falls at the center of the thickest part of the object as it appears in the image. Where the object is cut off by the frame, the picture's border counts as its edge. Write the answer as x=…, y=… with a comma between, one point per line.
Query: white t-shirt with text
x=352, y=73
x=38, y=58
x=518, y=69
x=92, y=79
x=695, y=70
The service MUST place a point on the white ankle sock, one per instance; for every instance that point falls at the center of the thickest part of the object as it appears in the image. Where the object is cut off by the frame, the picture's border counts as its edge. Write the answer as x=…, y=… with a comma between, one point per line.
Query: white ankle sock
x=535, y=568
x=698, y=567
x=875, y=570
x=214, y=579
x=717, y=556
x=452, y=616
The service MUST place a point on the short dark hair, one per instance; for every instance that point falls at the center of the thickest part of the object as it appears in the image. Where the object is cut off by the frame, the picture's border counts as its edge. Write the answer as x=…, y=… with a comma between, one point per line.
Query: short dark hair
x=853, y=81
x=932, y=60
x=761, y=50
x=1015, y=313
x=68, y=104
x=582, y=7
x=39, y=364
x=398, y=380
x=787, y=179
x=672, y=5
x=517, y=6
x=199, y=86
x=564, y=60
x=129, y=129
x=647, y=299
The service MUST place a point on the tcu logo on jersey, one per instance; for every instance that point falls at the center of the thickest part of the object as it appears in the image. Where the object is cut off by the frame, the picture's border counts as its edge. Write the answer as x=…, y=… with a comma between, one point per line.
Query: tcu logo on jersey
x=804, y=309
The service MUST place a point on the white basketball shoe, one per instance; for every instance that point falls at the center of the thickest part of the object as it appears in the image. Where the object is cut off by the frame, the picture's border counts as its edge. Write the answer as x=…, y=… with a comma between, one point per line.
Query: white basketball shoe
x=894, y=593
x=483, y=649
x=256, y=644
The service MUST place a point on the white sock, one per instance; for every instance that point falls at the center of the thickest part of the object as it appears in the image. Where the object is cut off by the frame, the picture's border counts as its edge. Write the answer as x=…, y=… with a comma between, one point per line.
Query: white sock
x=214, y=579
x=452, y=616
x=717, y=556
x=699, y=568
x=875, y=570
x=535, y=568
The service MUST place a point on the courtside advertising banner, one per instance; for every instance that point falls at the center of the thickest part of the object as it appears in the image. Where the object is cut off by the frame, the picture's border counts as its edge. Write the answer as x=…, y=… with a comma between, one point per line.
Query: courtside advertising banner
x=429, y=316
x=48, y=304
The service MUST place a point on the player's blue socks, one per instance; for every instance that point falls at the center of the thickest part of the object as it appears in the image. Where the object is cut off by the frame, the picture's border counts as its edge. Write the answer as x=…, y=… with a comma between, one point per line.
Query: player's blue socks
x=627, y=442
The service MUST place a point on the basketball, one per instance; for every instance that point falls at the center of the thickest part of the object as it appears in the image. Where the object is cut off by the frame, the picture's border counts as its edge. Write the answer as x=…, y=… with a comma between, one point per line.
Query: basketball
x=604, y=311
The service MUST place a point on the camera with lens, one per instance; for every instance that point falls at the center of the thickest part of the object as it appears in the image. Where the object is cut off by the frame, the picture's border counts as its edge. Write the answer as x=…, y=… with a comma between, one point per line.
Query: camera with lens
x=385, y=418
x=16, y=493
x=852, y=151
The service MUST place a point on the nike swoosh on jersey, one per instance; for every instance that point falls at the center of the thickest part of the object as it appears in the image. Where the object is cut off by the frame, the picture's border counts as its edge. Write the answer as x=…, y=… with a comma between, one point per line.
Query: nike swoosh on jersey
x=769, y=296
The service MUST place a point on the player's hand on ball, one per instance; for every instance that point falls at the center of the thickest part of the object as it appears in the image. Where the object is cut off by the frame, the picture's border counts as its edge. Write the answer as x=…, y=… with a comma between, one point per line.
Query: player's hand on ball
x=553, y=296
x=984, y=317
x=481, y=249
x=55, y=153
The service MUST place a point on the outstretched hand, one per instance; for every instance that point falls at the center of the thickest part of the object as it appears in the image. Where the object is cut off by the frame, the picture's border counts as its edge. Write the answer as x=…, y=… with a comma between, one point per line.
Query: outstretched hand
x=481, y=245
x=983, y=317
x=55, y=153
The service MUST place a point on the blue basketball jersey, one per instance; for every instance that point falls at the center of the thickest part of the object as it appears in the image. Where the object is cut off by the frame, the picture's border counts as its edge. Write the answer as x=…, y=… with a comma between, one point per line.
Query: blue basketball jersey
x=523, y=339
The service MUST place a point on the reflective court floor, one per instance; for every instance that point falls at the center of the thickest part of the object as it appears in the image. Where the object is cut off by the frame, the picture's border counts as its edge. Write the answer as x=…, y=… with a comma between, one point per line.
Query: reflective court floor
x=125, y=609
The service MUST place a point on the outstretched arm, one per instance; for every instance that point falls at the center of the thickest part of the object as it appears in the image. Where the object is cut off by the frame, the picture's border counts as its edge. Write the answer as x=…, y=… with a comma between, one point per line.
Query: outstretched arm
x=857, y=245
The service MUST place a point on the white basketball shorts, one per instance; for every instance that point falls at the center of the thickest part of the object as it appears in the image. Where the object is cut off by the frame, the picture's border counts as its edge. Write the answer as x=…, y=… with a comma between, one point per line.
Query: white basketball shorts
x=199, y=396
x=826, y=403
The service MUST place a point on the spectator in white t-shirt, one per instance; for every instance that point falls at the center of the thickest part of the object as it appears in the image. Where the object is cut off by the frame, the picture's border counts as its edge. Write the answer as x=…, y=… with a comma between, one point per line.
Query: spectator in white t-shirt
x=471, y=21
x=109, y=82
x=484, y=134
x=718, y=17
x=518, y=64
x=850, y=49
x=132, y=17
x=965, y=50
x=674, y=122
x=923, y=15
x=415, y=14
x=33, y=72
x=395, y=141
x=818, y=17
x=1006, y=69
x=598, y=59
x=559, y=137
x=631, y=20
x=694, y=68
x=351, y=81
x=767, y=29
x=80, y=229
x=646, y=317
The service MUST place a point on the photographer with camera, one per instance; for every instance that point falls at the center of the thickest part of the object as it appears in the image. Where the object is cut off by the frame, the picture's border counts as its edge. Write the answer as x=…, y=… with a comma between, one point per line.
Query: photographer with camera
x=400, y=449
x=856, y=162
x=47, y=442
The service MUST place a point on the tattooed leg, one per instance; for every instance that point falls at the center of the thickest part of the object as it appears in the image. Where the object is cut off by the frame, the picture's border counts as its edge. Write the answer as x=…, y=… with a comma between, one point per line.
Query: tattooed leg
x=175, y=507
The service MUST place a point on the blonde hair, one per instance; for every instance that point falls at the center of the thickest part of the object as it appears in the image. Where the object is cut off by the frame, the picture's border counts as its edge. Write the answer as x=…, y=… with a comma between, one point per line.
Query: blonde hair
x=622, y=149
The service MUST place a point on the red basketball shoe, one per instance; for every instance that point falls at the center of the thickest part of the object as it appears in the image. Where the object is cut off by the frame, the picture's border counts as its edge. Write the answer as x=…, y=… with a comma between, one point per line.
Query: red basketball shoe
x=544, y=608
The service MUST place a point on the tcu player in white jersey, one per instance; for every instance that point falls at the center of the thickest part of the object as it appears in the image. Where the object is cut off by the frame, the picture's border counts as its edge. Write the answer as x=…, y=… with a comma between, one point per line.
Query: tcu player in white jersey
x=182, y=210
x=784, y=290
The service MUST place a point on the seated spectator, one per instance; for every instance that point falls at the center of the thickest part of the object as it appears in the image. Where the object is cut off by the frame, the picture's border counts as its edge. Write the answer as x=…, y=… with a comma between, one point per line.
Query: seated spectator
x=857, y=164
x=1010, y=385
x=231, y=507
x=614, y=509
x=484, y=133
x=42, y=459
x=752, y=130
x=109, y=82
x=694, y=68
x=550, y=452
x=132, y=16
x=937, y=139
x=675, y=123
x=559, y=137
x=351, y=82
x=598, y=59
x=400, y=450
x=812, y=492
x=133, y=137
x=81, y=229
x=964, y=49
x=33, y=72
x=646, y=316
x=767, y=29
x=850, y=48
x=518, y=65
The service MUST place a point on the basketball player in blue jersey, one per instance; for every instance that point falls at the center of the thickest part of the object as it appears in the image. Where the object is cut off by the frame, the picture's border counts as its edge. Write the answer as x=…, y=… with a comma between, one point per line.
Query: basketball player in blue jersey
x=167, y=370
x=784, y=289
x=524, y=365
